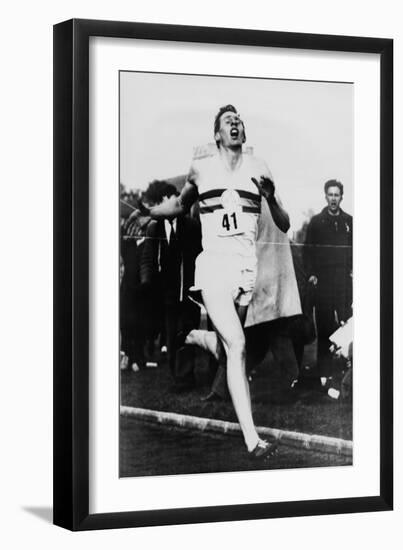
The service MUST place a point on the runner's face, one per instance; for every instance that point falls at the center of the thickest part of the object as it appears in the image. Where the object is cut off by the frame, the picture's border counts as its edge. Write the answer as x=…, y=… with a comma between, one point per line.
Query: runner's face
x=231, y=132
x=333, y=199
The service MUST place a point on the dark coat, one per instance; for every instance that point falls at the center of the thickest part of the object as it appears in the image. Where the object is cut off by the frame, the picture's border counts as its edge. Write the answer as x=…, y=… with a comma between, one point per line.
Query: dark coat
x=136, y=305
x=171, y=266
x=328, y=256
x=328, y=244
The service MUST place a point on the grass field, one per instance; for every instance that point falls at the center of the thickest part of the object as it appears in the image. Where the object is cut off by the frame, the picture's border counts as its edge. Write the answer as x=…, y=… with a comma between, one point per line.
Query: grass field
x=147, y=449
x=310, y=411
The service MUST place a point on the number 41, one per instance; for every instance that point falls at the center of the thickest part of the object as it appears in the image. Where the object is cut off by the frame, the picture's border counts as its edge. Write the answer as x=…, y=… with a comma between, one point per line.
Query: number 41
x=226, y=221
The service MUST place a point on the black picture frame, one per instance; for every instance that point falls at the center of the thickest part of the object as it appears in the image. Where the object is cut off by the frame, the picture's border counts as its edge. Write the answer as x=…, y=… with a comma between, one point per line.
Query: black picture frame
x=71, y=273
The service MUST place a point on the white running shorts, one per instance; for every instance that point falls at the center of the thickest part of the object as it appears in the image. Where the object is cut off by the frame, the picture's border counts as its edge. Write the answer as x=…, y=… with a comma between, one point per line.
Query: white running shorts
x=235, y=273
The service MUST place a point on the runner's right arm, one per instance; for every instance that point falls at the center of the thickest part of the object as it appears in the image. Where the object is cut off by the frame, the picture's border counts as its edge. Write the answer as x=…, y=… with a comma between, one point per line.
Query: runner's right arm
x=175, y=206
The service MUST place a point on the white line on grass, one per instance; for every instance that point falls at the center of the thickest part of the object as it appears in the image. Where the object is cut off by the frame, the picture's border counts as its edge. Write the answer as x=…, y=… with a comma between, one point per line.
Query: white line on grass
x=319, y=443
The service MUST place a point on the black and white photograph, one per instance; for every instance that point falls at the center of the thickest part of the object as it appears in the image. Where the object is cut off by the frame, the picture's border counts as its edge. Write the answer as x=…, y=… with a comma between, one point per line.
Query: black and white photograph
x=236, y=273
x=199, y=219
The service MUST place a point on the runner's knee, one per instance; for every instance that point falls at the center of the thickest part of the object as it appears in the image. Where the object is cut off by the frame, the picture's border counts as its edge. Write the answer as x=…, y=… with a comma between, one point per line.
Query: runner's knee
x=236, y=345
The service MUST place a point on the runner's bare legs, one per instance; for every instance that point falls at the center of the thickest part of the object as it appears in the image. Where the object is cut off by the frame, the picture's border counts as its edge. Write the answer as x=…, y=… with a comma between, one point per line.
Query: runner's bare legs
x=208, y=339
x=205, y=339
x=223, y=314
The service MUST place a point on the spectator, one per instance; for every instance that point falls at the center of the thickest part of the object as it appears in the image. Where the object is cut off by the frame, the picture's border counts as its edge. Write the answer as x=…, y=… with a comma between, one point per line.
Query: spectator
x=138, y=306
x=328, y=259
x=171, y=248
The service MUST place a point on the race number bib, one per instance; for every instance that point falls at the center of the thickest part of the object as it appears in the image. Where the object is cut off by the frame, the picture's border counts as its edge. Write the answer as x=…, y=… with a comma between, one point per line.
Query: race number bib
x=230, y=220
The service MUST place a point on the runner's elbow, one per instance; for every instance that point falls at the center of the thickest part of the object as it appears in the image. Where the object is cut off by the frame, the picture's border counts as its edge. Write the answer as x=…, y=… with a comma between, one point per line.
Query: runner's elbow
x=182, y=207
x=286, y=225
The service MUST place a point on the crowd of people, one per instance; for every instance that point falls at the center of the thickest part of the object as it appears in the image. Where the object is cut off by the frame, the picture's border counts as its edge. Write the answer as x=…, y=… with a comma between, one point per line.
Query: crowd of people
x=222, y=244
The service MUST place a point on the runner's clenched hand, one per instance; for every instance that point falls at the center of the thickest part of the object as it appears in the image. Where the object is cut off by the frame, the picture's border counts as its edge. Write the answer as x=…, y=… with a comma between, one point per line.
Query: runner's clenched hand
x=265, y=187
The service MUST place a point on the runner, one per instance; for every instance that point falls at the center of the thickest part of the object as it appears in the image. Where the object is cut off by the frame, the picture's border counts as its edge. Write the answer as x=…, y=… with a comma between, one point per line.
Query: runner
x=229, y=186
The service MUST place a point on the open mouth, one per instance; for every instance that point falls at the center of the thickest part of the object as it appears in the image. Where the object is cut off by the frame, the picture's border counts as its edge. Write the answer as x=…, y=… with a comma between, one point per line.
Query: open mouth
x=234, y=133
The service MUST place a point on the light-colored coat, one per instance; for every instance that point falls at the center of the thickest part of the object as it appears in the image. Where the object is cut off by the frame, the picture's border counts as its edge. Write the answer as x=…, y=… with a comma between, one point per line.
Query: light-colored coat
x=276, y=293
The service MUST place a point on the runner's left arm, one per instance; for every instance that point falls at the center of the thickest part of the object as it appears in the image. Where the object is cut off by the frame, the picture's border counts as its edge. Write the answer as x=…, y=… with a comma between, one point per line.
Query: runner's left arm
x=266, y=188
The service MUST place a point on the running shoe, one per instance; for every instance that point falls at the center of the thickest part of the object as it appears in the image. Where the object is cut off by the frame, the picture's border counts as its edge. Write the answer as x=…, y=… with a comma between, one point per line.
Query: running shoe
x=264, y=450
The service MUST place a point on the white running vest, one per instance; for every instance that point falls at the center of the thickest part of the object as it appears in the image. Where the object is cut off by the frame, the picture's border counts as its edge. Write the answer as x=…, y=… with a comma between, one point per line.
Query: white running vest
x=229, y=203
